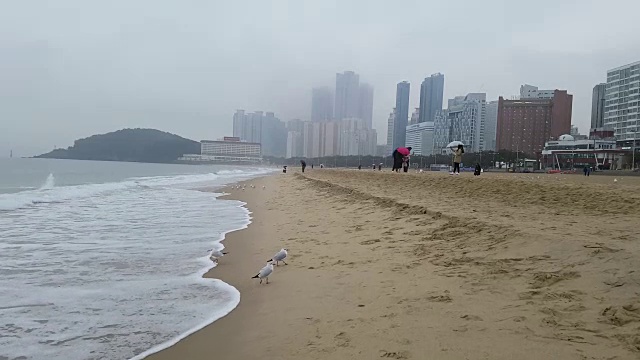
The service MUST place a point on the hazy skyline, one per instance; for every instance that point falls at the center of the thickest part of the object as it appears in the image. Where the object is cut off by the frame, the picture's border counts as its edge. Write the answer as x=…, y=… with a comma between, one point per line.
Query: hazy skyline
x=74, y=68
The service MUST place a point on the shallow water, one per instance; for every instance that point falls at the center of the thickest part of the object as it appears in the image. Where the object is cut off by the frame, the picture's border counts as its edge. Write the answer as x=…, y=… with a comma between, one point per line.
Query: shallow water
x=108, y=270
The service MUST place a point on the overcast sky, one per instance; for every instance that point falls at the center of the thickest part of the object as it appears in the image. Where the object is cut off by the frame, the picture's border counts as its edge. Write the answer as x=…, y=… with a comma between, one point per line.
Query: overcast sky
x=73, y=68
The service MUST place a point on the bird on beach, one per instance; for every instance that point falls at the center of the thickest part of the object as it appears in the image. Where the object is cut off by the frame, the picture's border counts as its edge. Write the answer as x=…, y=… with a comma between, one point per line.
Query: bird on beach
x=264, y=272
x=263, y=187
x=216, y=254
x=280, y=256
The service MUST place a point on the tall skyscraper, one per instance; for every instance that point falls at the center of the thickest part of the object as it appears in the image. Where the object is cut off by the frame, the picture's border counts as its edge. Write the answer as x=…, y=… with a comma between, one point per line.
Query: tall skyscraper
x=597, y=106
x=431, y=95
x=321, y=104
x=347, y=95
x=365, y=104
x=420, y=138
x=526, y=124
x=402, y=114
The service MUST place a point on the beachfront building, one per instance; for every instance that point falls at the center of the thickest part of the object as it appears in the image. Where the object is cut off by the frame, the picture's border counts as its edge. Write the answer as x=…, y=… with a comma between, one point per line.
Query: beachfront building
x=420, y=138
x=567, y=153
x=622, y=104
x=463, y=121
x=294, y=144
x=524, y=125
x=229, y=149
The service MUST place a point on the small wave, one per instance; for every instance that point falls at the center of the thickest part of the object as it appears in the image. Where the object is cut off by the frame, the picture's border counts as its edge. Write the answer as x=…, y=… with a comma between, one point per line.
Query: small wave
x=49, y=183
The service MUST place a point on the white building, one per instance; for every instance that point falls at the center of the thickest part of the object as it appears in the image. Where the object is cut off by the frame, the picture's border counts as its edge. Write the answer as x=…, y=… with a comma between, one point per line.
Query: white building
x=294, y=144
x=420, y=138
x=356, y=138
x=622, y=102
x=490, y=125
x=532, y=92
x=390, y=122
x=234, y=147
x=464, y=121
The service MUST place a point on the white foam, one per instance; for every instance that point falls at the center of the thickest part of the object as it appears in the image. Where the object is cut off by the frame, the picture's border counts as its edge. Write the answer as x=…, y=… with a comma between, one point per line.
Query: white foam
x=114, y=267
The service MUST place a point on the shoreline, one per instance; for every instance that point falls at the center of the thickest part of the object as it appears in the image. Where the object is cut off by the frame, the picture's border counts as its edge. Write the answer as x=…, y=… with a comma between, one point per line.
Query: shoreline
x=234, y=243
x=374, y=273
x=202, y=276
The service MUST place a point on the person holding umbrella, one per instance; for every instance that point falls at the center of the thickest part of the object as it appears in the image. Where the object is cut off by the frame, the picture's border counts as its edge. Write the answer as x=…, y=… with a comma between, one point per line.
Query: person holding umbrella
x=398, y=156
x=457, y=159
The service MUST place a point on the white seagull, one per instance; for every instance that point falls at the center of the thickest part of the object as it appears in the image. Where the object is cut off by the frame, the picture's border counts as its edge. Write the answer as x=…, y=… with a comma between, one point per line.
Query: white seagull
x=280, y=256
x=216, y=254
x=263, y=187
x=264, y=272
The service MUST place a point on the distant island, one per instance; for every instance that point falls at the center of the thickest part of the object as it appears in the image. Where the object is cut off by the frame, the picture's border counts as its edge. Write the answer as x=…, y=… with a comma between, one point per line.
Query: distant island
x=136, y=145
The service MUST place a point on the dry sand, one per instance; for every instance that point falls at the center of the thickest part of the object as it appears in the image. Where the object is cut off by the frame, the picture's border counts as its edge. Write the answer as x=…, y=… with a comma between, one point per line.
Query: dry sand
x=432, y=266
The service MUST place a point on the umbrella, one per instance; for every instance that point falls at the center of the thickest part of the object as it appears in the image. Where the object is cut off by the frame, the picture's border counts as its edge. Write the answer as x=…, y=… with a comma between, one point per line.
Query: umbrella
x=403, y=151
x=454, y=144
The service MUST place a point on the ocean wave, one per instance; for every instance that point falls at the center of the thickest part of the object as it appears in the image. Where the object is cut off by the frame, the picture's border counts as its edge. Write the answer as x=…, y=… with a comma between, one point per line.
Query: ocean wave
x=49, y=193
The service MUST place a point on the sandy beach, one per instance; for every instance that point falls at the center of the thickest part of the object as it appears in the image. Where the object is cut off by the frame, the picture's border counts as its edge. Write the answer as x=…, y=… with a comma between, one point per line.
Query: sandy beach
x=431, y=266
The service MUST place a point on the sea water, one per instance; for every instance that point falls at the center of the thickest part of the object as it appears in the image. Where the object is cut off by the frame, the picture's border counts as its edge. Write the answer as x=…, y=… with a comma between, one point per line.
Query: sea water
x=104, y=260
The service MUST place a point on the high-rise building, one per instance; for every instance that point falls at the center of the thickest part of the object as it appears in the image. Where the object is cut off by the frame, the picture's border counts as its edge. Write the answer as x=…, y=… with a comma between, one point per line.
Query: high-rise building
x=294, y=144
x=597, y=106
x=390, y=123
x=261, y=128
x=463, y=121
x=365, y=104
x=622, y=103
x=356, y=138
x=526, y=124
x=248, y=126
x=347, y=95
x=420, y=138
x=321, y=104
x=490, y=124
x=296, y=125
x=415, y=116
x=431, y=96
x=402, y=114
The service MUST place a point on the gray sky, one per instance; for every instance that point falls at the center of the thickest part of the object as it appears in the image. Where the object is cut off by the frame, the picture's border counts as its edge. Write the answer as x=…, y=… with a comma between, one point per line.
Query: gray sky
x=73, y=68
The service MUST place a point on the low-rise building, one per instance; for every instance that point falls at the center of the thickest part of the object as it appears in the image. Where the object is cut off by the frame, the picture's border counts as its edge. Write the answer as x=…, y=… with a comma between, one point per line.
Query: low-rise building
x=568, y=153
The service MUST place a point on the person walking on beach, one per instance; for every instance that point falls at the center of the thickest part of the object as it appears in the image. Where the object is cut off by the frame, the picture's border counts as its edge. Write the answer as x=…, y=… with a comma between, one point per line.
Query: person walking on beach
x=304, y=164
x=457, y=159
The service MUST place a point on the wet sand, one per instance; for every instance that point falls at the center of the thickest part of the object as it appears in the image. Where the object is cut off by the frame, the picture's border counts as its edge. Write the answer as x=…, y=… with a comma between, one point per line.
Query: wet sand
x=432, y=266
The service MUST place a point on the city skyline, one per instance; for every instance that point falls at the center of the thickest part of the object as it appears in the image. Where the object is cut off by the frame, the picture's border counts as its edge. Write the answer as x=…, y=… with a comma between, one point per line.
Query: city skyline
x=177, y=68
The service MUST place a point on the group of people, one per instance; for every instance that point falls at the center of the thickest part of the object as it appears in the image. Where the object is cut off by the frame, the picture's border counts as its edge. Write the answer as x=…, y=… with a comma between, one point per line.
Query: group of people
x=401, y=157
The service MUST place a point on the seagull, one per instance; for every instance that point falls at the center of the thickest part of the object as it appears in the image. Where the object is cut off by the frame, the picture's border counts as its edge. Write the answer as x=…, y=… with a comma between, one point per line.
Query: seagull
x=263, y=187
x=280, y=256
x=253, y=186
x=615, y=180
x=216, y=254
x=264, y=272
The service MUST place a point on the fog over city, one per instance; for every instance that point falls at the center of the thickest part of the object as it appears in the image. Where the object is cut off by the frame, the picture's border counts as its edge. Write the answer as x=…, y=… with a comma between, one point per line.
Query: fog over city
x=74, y=68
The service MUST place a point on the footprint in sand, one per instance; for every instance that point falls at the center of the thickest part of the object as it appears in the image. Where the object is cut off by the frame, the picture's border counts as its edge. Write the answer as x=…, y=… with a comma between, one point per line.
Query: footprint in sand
x=394, y=354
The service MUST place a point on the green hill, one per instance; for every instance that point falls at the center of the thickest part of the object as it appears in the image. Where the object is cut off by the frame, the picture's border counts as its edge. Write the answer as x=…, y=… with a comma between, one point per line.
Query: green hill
x=139, y=145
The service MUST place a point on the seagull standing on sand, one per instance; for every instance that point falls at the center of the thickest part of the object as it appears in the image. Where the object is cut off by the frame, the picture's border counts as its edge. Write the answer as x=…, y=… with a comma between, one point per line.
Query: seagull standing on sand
x=263, y=187
x=216, y=254
x=264, y=272
x=280, y=256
